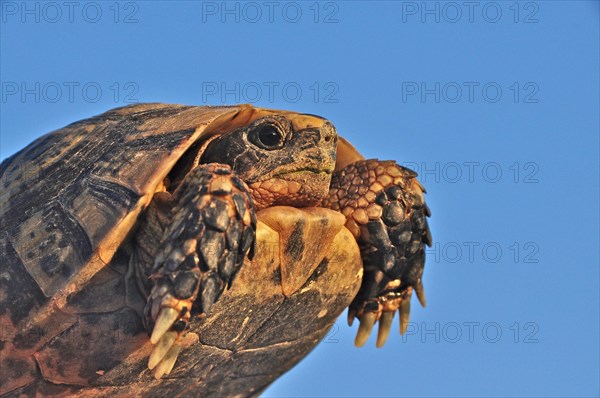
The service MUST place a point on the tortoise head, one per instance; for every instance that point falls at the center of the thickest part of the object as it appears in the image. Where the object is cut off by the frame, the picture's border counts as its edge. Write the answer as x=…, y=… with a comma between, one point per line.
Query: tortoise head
x=286, y=159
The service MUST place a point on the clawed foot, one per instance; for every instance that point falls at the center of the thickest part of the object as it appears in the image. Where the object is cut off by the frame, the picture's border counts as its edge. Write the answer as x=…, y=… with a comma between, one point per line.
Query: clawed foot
x=386, y=211
x=171, y=322
x=382, y=310
x=212, y=232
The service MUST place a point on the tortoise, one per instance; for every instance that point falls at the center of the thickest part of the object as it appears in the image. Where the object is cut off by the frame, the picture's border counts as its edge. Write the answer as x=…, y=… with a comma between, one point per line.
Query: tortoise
x=162, y=250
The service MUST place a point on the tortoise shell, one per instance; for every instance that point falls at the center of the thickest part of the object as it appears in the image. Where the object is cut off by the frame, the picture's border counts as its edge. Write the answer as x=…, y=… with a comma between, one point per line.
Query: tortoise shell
x=70, y=314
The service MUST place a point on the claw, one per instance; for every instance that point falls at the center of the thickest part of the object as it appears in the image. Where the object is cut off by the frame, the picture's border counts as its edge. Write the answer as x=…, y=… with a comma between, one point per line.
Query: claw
x=161, y=349
x=404, y=314
x=420, y=290
x=351, y=314
x=385, y=325
x=166, y=318
x=166, y=365
x=367, y=320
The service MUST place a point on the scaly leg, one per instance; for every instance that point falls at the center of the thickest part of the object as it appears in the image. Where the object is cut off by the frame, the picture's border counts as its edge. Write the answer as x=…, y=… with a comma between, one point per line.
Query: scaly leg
x=212, y=230
x=386, y=211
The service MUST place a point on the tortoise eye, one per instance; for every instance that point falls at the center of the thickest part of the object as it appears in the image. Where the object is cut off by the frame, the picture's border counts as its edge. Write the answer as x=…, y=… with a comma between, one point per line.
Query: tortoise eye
x=267, y=137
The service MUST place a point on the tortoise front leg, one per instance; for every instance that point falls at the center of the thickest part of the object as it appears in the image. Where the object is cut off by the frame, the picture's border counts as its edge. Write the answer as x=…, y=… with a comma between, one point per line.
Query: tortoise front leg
x=386, y=212
x=211, y=231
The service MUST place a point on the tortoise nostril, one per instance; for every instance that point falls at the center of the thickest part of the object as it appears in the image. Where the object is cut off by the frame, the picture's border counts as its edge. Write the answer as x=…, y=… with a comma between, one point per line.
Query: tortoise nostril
x=327, y=138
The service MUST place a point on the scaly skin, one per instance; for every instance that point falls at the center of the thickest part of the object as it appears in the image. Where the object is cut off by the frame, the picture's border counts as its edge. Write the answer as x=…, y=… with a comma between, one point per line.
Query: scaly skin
x=212, y=222
x=212, y=225
x=386, y=212
x=77, y=241
x=212, y=230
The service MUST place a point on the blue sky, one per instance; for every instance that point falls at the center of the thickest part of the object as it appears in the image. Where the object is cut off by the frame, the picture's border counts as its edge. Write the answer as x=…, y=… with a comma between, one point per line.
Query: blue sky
x=495, y=104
